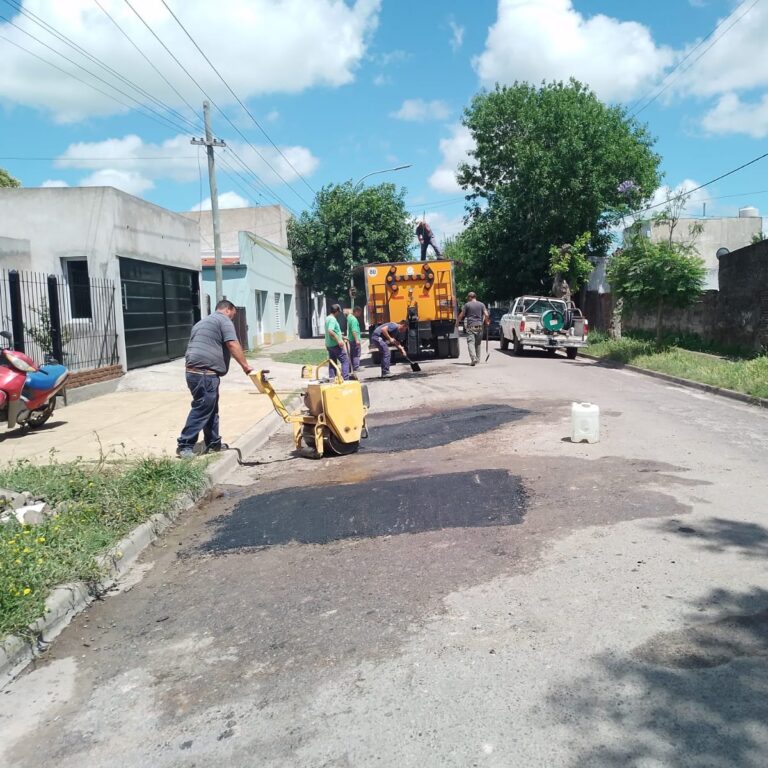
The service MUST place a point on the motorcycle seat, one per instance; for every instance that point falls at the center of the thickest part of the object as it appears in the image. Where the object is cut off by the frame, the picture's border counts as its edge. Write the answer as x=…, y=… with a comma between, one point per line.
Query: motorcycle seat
x=48, y=377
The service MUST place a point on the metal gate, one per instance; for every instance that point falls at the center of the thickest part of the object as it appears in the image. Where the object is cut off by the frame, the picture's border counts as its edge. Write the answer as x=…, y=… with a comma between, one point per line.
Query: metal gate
x=160, y=306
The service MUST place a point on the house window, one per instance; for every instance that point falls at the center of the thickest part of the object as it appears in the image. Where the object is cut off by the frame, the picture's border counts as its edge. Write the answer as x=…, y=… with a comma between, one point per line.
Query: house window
x=79, y=288
x=278, y=313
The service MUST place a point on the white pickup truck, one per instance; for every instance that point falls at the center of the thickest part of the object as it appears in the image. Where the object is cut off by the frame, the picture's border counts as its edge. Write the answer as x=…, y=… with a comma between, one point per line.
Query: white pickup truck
x=546, y=323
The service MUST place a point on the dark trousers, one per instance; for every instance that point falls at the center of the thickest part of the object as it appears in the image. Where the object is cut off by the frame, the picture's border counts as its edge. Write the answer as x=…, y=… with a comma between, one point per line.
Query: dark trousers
x=354, y=353
x=204, y=413
x=424, y=244
x=338, y=355
x=386, y=352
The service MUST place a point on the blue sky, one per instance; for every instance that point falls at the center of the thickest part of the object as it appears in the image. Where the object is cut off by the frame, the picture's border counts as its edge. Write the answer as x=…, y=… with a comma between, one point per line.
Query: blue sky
x=348, y=88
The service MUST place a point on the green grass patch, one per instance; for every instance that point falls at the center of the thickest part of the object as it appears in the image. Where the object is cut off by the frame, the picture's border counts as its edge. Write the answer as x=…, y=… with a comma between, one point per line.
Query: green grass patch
x=301, y=356
x=103, y=504
x=740, y=375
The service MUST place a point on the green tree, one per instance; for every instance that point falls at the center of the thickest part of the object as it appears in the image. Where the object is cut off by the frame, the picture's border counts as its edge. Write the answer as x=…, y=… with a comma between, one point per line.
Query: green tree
x=655, y=275
x=6, y=180
x=463, y=250
x=346, y=228
x=550, y=163
x=570, y=261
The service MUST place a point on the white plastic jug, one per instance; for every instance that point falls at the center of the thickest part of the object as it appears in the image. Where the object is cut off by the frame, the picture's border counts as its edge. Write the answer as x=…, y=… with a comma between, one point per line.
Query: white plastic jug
x=585, y=422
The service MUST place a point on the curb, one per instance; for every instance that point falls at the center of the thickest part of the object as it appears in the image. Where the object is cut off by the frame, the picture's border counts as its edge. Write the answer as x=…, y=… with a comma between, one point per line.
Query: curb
x=68, y=600
x=731, y=394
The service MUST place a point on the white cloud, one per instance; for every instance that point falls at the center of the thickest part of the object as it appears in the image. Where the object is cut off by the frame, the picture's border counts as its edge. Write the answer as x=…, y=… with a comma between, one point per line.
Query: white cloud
x=129, y=181
x=259, y=46
x=732, y=115
x=177, y=160
x=694, y=205
x=550, y=40
x=454, y=150
x=735, y=62
x=226, y=200
x=457, y=35
x=54, y=183
x=272, y=116
x=419, y=110
x=381, y=79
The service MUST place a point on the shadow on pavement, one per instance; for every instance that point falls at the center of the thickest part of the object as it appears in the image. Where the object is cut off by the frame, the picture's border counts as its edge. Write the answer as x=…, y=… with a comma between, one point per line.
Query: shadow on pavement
x=717, y=534
x=490, y=497
x=435, y=429
x=695, y=696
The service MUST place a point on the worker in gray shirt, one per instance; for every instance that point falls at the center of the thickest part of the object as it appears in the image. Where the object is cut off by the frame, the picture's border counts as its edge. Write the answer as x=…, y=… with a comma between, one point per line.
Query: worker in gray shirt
x=212, y=343
x=475, y=315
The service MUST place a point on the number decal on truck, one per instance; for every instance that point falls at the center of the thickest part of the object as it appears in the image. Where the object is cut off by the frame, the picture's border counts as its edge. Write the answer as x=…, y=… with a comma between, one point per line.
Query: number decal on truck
x=372, y=271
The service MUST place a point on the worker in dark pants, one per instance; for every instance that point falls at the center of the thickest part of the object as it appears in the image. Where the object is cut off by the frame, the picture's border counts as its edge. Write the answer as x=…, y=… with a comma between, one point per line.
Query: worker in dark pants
x=383, y=336
x=426, y=238
x=475, y=315
x=353, y=336
x=334, y=343
x=212, y=343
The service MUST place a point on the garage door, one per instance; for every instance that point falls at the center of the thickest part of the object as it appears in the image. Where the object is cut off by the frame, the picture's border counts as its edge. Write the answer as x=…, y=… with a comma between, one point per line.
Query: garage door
x=160, y=306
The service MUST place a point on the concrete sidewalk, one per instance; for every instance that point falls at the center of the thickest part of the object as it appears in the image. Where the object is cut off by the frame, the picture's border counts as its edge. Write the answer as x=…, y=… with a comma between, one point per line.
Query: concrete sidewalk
x=147, y=411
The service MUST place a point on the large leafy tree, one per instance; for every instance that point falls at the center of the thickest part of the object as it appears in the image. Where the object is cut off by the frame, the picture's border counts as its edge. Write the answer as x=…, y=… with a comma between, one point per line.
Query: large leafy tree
x=6, y=180
x=550, y=163
x=345, y=228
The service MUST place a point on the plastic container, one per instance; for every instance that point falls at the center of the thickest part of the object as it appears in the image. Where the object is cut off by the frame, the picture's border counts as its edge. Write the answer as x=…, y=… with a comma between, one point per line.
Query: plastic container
x=585, y=422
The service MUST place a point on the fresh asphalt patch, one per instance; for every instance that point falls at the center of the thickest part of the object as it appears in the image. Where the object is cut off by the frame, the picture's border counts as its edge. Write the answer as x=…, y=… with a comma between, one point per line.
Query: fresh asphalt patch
x=425, y=429
x=485, y=497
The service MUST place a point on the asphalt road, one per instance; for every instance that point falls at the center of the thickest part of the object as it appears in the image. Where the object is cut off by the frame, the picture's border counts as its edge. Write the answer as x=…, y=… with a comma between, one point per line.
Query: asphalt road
x=471, y=589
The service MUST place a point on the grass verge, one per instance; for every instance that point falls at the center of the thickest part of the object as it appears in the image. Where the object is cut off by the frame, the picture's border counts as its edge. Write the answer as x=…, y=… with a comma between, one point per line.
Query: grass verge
x=301, y=356
x=103, y=504
x=747, y=376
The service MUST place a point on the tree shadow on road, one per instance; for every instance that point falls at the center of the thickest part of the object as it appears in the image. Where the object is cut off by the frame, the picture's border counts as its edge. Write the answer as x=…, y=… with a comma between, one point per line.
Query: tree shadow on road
x=696, y=696
x=718, y=534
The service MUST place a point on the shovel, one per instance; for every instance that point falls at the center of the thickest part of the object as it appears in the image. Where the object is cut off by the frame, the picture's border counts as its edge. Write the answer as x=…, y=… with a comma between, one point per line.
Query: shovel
x=415, y=367
x=487, y=353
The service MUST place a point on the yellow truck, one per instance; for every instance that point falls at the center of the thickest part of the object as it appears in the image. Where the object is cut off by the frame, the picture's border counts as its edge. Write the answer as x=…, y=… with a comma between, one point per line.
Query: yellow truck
x=421, y=292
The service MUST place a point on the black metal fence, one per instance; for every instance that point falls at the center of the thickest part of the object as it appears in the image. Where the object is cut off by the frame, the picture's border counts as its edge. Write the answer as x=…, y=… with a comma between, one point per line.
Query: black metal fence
x=53, y=317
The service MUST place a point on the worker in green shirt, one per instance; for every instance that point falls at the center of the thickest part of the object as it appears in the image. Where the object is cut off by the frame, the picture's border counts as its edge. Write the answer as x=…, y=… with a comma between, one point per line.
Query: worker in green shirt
x=353, y=334
x=334, y=343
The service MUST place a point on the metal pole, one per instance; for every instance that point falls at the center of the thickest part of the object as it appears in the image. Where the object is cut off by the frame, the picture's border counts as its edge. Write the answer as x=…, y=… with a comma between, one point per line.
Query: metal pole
x=17, y=316
x=210, y=143
x=55, y=318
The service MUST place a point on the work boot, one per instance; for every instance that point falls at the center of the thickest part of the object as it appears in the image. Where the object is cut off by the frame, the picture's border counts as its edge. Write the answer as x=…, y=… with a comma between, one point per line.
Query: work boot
x=185, y=452
x=473, y=363
x=387, y=375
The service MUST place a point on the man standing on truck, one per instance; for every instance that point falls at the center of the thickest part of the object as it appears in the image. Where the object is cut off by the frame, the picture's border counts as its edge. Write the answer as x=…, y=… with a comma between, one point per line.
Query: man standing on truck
x=381, y=338
x=334, y=343
x=475, y=315
x=353, y=336
x=426, y=238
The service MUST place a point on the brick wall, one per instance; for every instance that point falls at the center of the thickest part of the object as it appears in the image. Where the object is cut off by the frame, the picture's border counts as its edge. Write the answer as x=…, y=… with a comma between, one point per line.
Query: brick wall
x=698, y=318
x=742, y=315
x=94, y=375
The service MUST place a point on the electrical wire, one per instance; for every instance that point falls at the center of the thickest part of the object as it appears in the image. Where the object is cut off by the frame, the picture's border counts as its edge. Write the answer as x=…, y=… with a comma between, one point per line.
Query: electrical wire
x=688, y=68
x=221, y=111
x=237, y=98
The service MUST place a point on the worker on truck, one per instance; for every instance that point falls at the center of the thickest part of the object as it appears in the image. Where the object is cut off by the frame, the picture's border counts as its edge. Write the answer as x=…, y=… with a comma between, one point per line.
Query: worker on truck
x=383, y=336
x=426, y=238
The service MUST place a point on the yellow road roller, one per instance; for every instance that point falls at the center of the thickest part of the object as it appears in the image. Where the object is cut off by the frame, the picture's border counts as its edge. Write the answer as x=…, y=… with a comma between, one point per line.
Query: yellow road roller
x=333, y=417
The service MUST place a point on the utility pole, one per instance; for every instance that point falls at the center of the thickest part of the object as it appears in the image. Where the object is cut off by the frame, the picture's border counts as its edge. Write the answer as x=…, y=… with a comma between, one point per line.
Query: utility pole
x=209, y=142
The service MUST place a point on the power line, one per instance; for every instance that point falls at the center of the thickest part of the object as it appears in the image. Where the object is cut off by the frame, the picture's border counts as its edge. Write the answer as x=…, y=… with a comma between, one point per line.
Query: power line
x=149, y=61
x=160, y=115
x=84, y=82
x=221, y=111
x=15, y=5
x=716, y=40
x=683, y=193
x=239, y=101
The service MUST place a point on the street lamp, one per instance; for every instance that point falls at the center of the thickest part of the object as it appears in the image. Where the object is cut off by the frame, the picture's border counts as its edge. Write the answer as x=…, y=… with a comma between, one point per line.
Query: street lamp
x=351, y=214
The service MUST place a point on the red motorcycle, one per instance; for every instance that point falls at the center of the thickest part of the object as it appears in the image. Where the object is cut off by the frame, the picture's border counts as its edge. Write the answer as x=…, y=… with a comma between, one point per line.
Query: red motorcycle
x=27, y=391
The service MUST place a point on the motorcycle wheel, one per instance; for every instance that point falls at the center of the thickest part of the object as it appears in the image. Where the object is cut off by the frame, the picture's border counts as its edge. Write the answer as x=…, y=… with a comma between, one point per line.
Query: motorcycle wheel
x=38, y=418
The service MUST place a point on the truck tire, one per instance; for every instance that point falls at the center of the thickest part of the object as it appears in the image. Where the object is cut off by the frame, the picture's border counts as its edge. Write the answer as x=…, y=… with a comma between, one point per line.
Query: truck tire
x=376, y=358
x=504, y=342
x=453, y=348
x=517, y=347
x=571, y=352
